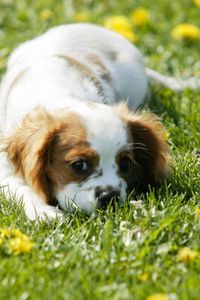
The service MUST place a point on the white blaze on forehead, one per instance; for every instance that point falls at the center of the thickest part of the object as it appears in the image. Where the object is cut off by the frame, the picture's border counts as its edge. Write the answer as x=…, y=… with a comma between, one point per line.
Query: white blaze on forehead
x=103, y=126
x=106, y=132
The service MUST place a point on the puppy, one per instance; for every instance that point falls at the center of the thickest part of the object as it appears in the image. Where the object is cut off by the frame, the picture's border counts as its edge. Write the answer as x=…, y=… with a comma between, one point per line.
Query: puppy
x=69, y=137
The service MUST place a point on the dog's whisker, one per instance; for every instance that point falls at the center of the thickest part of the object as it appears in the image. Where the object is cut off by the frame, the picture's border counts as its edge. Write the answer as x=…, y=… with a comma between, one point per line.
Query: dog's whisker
x=140, y=148
x=137, y=147
x=136, y=143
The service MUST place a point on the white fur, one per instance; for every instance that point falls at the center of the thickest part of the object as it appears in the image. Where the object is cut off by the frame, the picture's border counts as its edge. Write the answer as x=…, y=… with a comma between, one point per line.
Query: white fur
x=38, y=75
x=47, y=80
x=104, y=129
x=13, y=186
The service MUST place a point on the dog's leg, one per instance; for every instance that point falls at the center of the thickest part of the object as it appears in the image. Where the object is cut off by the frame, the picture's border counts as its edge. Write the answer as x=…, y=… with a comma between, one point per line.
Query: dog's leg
x=14, y=188
x=173, y=83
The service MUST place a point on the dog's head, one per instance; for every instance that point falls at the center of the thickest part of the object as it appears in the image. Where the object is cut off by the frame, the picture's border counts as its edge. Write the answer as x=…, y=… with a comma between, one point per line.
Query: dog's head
x=90, y=156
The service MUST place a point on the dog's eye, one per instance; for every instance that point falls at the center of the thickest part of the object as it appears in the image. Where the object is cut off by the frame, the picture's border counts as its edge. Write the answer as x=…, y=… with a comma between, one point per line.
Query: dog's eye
x=80, y=166
x=125, y=164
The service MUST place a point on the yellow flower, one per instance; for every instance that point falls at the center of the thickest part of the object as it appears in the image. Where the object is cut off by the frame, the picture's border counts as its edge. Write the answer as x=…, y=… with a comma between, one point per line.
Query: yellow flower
x=1, y=241
x=186, y=254
x=197, y=73
x=17, y=233
x=143, y=277
x=82, y=16
x=122, y=25
x=128, y=34
x=157, y=297
x=165, y=135
x=4, y=233
x=196, y=2
x=140, y=16
x=197, y=212
x=118, y=22
x=46, y=14
x=186, y=32
x=16, y=242
x=20, y=245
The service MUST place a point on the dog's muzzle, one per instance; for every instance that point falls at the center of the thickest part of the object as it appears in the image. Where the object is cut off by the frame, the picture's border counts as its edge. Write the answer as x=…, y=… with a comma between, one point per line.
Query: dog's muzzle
x=106, y=197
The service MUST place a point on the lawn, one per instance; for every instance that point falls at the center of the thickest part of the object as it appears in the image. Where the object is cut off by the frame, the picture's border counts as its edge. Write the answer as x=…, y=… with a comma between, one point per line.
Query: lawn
x=150, y=249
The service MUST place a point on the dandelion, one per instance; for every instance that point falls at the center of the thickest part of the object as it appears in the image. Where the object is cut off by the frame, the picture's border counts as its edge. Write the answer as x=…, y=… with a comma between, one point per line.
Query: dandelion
x=197, y=212
x=122, y=25
x=143, y=277
x=15, y=241
x=186, y=32
x=186, y=254
x=118, y=22
x=129, y=35
x=197, y=73
x=46, y=14
x=82, y=16
x=157, y=297
x=140, y=17
x=4, y=233
x=1, y=241
x=17, y=233
x=165, y=135
x=20, y=245
x=196, y=2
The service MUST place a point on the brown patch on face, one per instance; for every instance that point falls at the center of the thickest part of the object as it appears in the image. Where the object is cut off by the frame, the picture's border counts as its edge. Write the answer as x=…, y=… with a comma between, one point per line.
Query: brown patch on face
x=84, y=70
x=61, y=170
x=42, y=147
x=125, y=161
x=149, y=148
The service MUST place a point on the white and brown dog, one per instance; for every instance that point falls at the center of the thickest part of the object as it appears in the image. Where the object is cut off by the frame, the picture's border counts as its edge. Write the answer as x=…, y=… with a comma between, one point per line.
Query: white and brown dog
x=67, y=137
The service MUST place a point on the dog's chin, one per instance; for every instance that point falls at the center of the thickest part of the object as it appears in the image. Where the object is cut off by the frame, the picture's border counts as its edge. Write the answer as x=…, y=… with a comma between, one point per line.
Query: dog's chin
x=71, y=199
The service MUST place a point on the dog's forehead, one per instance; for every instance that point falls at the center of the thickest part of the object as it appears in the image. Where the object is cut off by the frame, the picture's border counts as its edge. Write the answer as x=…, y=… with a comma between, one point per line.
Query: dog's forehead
x=106, y=131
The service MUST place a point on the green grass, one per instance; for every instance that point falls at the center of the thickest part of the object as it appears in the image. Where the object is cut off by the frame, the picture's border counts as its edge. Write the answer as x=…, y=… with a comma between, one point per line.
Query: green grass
x=104, y=256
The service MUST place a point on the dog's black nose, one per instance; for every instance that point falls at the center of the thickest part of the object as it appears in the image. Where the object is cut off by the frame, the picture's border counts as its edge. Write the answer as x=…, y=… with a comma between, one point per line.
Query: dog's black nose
x=105, y=197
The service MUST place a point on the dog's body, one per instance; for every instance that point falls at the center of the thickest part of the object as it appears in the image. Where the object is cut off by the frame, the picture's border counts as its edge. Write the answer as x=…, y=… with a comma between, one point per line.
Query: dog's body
x=81, y=62
x=65, y=141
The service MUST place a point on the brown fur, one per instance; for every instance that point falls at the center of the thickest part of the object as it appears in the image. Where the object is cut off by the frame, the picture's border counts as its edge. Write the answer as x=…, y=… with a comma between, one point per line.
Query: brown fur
x=44, y=146
x=104, y=72
x=40, y=147
x=150, y=149
x=60, y=172
x=85, y=70
x=126, y=153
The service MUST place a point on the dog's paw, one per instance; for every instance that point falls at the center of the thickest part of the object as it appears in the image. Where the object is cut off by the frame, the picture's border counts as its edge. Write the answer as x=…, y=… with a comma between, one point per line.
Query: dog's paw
x=43, y=213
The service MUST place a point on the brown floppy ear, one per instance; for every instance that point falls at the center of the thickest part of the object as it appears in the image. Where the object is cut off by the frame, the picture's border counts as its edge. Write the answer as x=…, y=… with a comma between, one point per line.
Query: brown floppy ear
x=147, y=138
x=29, y=149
